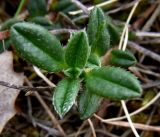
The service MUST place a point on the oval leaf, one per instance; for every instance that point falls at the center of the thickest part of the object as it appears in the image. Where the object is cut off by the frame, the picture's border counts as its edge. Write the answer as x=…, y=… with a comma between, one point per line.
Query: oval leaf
x=114, y=83
x=88, y=104
x=77, y=50
x=38, y=46
x=122, y=58
x=65, y=95
x=98, y=35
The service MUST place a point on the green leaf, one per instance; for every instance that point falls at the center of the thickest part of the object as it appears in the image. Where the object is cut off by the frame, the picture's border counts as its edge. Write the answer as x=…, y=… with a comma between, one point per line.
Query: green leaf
x=93, y=61
x=88, y=104
x=37, y=8
x=38, y=46
x=122, y=58
x=99, y=38
x=65, y=95
x=77, y=50
x=113, y=83
x=63, y=6
x=8, y=23
x=73, y=72
x=43, y=21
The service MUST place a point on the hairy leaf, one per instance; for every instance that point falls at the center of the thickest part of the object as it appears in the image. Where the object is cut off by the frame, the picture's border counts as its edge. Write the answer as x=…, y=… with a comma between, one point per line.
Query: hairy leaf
x=37, y=8
x=38, y=46
x=122, y=58
x=77, y=50
x=114, y=83
x=65, y=95
x=73, y=72
x=93, y=61
x=88, y=104
x=99, y=38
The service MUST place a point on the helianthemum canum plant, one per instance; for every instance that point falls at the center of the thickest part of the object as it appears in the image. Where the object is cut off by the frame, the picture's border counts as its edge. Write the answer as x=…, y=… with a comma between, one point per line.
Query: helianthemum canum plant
x=80, y=61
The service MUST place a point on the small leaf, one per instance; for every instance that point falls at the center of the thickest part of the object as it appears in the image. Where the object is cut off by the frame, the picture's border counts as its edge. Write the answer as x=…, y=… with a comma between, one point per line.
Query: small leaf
x=88, y=104
x=114, y=83
x=65, y=95
x=93, y=61
x=122, y=58
x=43, y=21
x=99, y=38
x=37, y=8
x=38, y=46
x=77, y=50
x=73, y=72
x=114, y=32
x=63, y=6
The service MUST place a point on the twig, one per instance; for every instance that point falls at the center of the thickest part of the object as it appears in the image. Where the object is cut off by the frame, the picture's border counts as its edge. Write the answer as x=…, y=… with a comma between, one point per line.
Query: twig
x=149, y=23
x=124, y=38
x=49, y=129
x=80, y=128
x=126, y=124
x=122, y=7
x=153, y=100
x=129, y=119
x=81, y=6
x=52, y=131
x=148, y=72
x=47, y=109
x=23, y=15
x=40, y=74
x=147, y=34
x=49, y=4
x=25, y=88
x=144, y=51
x=136, y=125
x=67, y=19
x=151, y=41
x=92, y=127
x=151, y=84
x=20, y=7
x=107, y=133
x=144, y=16
x=149, y=119
x=90, y=8
x=127, y=23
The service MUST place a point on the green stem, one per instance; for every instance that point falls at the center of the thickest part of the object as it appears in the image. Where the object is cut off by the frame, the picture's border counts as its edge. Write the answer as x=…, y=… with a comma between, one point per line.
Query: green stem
x=20, y=7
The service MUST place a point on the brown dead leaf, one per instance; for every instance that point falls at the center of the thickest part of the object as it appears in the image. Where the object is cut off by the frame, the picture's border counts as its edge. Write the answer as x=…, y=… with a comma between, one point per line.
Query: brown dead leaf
x=8, y=95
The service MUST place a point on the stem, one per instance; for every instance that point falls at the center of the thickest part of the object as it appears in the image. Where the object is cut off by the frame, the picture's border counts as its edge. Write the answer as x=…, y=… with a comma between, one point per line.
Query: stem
x=20, y=8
